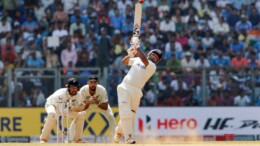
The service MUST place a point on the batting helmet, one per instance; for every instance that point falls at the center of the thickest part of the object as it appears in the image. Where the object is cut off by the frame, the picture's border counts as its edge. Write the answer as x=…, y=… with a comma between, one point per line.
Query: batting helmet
x=72, y=82
x=157, y=52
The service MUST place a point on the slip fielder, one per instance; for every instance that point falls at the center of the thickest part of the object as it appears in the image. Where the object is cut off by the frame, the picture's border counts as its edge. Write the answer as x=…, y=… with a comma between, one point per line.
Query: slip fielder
x=95, y=97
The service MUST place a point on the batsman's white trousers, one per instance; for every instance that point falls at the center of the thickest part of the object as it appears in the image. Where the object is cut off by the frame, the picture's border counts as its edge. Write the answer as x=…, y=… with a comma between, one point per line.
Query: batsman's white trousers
x=107, y=113
x=128, y=102
x=53, y=113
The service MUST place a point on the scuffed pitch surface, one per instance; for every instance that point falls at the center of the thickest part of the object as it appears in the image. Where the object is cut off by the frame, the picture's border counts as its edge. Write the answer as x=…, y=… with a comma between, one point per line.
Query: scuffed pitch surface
x=226, y=143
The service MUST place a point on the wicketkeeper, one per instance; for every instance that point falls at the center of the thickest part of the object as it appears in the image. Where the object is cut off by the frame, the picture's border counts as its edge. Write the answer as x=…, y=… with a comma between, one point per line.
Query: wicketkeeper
x=69, y=94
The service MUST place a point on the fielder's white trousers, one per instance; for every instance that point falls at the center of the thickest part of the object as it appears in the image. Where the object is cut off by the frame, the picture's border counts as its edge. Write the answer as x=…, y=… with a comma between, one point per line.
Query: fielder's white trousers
x=107, y=113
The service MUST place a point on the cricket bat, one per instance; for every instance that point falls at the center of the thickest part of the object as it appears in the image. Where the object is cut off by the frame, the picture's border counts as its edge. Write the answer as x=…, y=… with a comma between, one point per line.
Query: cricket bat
x=138, y=18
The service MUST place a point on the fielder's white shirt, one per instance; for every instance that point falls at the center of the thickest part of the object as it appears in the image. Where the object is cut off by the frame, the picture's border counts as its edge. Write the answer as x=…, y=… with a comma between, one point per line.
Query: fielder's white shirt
x=62, y=96
x=138, y=74
x=100, y=95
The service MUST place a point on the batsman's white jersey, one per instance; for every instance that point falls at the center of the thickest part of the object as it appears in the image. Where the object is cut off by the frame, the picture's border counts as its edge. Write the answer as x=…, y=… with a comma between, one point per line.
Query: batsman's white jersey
x=138, y=73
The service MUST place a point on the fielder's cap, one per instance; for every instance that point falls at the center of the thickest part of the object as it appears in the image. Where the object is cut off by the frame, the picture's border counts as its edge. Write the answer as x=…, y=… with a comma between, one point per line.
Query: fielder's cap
x=93, y=78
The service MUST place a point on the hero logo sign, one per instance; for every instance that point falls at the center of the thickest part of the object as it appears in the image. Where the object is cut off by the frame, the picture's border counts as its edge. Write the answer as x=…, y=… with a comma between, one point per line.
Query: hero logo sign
x=168, y=124
x=177, y=124
x=141, y=123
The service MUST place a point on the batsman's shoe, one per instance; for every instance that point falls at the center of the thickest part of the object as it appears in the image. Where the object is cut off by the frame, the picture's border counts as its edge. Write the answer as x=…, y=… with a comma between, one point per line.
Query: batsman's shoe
x=130, y=141
x=43, y=141
x=78, y=141
x=117, y=137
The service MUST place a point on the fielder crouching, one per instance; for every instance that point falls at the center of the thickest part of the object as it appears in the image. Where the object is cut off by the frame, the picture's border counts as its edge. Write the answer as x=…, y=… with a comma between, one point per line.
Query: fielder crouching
x=64, y=95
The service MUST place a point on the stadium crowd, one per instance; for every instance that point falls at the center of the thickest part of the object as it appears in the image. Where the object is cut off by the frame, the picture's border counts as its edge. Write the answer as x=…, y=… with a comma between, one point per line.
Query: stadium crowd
x=214, y=36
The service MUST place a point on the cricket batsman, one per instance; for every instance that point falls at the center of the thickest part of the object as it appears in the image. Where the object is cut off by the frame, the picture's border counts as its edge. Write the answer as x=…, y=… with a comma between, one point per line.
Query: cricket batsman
x=95, y=97
x=130, y=90
x=69, y=94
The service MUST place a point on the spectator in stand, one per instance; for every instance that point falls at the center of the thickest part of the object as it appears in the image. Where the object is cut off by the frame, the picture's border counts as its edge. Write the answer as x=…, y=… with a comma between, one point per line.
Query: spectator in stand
x=78, y=26
x=178, y=84
x=172, y=47
x=220, y=60
x=187, y=62
x=227, y=100
x=179, y=24
x=19, y=62
x=5, y=27
x=173, y=63
x=239, y=61
x=60, y=31
x=233, y=18
x=104, y=47
x=214, y=99
x=152, y=23
x=162, y=8
x=242, y=99
x=29, y=26
x=52, y=7
x=190, y=8
x=150, y=95
x=203, y=8
x=221, y=28
x=8, y=54
x=189, y=79
x=167, y=25
x=52, y=59
x=60, y=15
x=150, y=4
x=254, y=17
x=122, y=4
x=236, y=46
x=202, y=62
x=207, y=41
x=116, y=21
x=39, y=11
x=77, y=13
x=127, y=25
x=253, y=62
x=190, y=100
x=34, y=62
x=69, y=5
x=68, y=55
x=7, y=16
x=222, y=44
x=243, y=24
x=38, y=98
x=182, y=38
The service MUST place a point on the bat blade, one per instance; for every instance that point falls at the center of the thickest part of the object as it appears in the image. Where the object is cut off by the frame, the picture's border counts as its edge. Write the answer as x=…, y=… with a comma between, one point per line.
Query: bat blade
x=137, y=19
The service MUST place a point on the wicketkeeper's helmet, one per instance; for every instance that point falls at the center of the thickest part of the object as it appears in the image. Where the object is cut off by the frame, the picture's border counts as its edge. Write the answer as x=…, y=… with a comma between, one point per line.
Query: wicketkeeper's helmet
x=157, y=52
x=72, y=82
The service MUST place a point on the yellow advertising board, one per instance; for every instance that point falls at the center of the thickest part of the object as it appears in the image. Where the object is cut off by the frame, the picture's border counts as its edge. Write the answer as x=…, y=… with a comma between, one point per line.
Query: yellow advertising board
x=29, y=122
